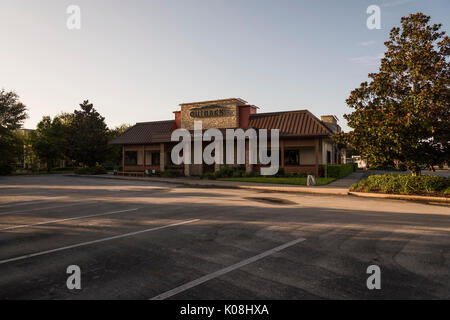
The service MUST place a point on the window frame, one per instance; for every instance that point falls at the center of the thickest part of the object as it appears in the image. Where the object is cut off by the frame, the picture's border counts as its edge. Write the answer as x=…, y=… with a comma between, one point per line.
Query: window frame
x=156, y=160
x=127, y=158
x=287, y=158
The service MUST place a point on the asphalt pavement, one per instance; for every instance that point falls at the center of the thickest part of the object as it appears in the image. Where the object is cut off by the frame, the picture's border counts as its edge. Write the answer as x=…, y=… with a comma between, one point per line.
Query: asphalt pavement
x=149, y=240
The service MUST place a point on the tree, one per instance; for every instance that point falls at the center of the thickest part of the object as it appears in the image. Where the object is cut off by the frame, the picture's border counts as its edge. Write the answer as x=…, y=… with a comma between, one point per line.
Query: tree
x=12, y=115
x=48, y=140
x=87, y=136
x=403, y=114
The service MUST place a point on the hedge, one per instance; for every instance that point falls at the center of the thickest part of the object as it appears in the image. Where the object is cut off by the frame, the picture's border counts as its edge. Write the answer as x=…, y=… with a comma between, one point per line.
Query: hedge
x=339, y=171
x=5, y=169
x=91, y=170
x=404, y=184
x=336, y=171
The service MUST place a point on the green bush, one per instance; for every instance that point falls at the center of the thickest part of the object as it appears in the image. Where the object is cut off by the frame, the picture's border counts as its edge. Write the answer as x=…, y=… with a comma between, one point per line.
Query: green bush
x=251, y=174
x=238, y=173
x=225, y=172
x=208, y=175
x=404, y=184
x=228, y=172
x=91, y=170
x=5, y=169
x=339, y=171
x=62, y=169
x=170, y=173
x=81, y=170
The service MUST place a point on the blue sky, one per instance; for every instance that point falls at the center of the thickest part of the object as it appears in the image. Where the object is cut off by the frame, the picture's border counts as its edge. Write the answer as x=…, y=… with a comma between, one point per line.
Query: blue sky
x=137, y=60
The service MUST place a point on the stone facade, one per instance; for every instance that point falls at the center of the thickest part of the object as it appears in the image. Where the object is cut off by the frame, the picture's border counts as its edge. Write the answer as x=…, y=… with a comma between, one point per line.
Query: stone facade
x=213, y=114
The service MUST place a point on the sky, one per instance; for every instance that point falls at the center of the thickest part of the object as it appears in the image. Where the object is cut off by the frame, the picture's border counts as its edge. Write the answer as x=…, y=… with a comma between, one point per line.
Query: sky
x=137, y=60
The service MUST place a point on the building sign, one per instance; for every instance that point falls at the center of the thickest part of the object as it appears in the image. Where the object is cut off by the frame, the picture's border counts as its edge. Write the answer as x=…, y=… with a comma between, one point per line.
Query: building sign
x=211, y=111
x=213, y=114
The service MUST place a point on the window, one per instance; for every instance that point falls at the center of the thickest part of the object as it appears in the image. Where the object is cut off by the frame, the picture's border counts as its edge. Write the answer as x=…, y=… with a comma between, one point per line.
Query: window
x=131, y=158
x=155, y=158
x=292, y=157
x=328, y=157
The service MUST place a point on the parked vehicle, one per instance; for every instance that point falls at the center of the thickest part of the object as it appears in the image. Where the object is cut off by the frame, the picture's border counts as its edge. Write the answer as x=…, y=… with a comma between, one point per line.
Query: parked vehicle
x=361, y=162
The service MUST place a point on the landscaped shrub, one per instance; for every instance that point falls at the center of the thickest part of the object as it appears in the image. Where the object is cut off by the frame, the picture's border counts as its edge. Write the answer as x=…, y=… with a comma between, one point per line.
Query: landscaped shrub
x=251, y=174
x=404, y=184
x=238, y=173
x=208, y=175
x=6, y=168
x=296, y=174
x=339, y=171
x=170, y=173
x=62, y=169
x=281, y=172
x=225, y=172
x=91, y=170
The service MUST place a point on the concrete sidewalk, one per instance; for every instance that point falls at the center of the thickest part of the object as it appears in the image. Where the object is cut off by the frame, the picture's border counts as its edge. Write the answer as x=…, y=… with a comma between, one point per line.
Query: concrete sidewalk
x=338, y=187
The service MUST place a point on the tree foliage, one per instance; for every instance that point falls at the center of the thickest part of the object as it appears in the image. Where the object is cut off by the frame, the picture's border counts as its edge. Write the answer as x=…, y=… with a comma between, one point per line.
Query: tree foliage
x=49, y=140
x=87, y=136
x=402, y=114
x=12, y=115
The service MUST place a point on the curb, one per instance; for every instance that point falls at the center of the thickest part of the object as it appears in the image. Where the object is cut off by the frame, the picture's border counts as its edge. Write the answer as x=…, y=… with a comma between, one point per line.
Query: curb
x=271, y=188
x=280, y=188
x=313, y=190
x=399, y=196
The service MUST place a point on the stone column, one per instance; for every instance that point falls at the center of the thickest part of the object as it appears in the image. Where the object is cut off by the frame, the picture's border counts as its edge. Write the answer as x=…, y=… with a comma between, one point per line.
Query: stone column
x=123, y=158
x=143, y=157
x=316, y=153
x=162, y=157
x=248, y=165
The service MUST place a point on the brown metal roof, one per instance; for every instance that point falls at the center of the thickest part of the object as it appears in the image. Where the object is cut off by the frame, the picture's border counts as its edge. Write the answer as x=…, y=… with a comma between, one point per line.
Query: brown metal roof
x=146, y=132
x=290, y=123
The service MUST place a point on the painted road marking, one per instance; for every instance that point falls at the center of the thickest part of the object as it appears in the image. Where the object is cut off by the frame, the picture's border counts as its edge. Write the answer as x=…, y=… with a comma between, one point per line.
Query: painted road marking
x=66, y=219
x=223, y=271
x=96, y=241
x=53, y=207
x=16, y=203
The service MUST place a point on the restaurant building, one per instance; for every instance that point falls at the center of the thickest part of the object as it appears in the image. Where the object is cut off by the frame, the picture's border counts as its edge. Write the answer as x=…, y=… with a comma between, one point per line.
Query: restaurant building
x=305, y=145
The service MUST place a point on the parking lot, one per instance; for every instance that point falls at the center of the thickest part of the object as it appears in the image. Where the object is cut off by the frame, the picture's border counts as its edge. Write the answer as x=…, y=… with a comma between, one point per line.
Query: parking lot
x=142, y=240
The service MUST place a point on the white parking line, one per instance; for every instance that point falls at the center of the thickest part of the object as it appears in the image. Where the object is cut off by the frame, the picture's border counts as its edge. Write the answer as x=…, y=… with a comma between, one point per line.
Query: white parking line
x=96, y=241
x=53, y=207
x=15, y=204
x=66, y=219
x=223, y=271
